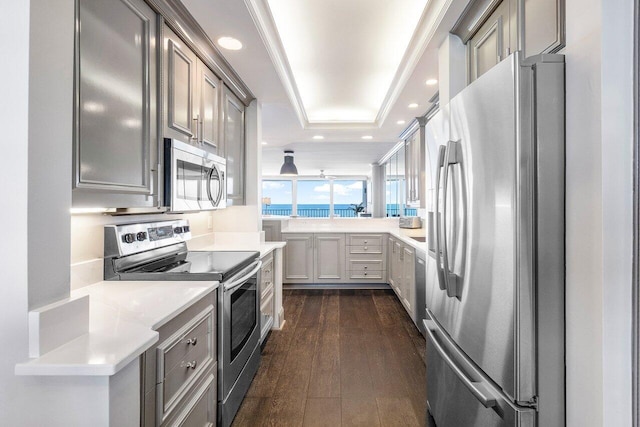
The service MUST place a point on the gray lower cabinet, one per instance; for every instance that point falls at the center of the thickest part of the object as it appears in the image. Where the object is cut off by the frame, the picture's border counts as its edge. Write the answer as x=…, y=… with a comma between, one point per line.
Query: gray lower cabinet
x=234, y=145
x=267, y=295
x=180, y=372
x=366, y=258
x=408, y=279
x=191, y=105
x=314, y=258
x=329, y=258
x=115, y=135
x=298, y=258
x=272, y=230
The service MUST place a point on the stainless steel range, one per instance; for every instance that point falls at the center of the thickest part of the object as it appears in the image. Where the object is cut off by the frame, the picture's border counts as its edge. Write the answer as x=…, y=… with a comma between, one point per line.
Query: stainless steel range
x=158, y=251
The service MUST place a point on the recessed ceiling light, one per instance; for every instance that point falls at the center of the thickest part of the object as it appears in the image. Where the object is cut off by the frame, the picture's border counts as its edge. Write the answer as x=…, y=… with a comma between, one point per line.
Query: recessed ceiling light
x=264, y=142
x=400, y=122
x=413, y=105
x=431, y=82
x=229, y=43
x=318, y=137
x=367, y=137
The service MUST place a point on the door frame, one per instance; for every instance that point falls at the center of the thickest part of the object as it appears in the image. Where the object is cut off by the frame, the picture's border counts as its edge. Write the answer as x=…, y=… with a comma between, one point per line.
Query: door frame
x=636, y=221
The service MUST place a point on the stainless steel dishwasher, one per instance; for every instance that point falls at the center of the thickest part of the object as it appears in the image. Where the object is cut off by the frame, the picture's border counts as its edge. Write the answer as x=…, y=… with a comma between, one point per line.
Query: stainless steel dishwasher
x=420, y=305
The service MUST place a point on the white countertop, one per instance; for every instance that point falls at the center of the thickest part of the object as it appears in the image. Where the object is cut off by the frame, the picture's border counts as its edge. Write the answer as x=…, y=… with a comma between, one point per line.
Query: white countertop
x=361, y=226
x=264, y=248
x=124, y=317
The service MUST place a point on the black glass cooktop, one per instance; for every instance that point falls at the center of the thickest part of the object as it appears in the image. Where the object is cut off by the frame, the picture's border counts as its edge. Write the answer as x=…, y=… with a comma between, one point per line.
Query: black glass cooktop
x=194, y=265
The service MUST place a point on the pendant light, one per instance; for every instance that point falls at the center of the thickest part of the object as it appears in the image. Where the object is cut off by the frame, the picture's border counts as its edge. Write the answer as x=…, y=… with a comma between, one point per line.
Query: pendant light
x=288, y=168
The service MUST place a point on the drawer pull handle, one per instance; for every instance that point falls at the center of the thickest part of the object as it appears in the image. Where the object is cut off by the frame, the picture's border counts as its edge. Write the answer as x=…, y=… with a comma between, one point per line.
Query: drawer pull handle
x=365, y=267
x=365, y=248
x=365, y=242
x=192, y=341
x=190, y=365
x=365, y=273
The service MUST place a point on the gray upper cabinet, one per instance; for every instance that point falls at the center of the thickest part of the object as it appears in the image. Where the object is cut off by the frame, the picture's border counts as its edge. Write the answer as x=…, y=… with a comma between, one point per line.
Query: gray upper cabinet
x=179, y=65
x=543, y=26
x=494, y=41
x=115, y=138
x=415, y=156
x=191, y=96
x=493, y=29
x=233, y=113
x=208, y=88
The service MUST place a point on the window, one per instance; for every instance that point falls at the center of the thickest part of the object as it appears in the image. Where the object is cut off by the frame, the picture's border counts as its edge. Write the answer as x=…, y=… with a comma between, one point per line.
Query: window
x=314, y=198
x=349, y=197
x=277, y=197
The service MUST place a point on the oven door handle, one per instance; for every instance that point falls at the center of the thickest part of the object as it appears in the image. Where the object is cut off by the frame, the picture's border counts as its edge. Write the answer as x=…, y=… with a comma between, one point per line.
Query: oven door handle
x=234, y=284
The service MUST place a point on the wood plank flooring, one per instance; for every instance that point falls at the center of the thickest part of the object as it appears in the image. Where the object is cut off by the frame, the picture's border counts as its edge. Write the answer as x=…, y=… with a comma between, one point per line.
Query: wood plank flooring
x=344, y=357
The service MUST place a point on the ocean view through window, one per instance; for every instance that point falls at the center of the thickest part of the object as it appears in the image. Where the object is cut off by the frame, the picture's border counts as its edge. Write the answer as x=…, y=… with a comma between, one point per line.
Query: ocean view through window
x=319, y=198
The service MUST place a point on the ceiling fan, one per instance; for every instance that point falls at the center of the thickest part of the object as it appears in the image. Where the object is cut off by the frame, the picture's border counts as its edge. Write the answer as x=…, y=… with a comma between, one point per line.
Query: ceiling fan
x=323, y=176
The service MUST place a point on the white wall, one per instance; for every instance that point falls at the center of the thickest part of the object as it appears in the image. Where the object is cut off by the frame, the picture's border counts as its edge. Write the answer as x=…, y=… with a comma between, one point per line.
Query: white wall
x=583, y=214
x=617, y=197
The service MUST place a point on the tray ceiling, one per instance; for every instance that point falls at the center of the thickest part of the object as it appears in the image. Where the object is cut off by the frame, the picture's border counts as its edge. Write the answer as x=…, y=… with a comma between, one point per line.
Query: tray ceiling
x=342, y=63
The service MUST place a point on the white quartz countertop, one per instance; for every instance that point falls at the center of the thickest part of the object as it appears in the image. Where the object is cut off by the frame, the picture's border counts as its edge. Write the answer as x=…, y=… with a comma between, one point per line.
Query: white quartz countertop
x=123, y=319
x=360, y=226
x=264, y=247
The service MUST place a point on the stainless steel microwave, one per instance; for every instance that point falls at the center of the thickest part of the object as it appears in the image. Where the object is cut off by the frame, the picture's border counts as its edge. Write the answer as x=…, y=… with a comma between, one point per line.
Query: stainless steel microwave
x=194, y=179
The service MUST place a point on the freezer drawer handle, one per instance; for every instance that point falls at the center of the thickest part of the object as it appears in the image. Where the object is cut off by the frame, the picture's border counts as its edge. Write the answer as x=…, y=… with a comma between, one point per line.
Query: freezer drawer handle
x=479, y=389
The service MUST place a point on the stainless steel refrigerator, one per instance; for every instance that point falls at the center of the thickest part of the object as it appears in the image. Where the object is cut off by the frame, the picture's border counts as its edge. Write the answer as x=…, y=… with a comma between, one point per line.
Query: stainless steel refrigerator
x=495, y=270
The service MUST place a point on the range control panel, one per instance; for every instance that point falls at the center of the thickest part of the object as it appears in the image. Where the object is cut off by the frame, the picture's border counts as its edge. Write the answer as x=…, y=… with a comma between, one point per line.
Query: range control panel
x=128, y=239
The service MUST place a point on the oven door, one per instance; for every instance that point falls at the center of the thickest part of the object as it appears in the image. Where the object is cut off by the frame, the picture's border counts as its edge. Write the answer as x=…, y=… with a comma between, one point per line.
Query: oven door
x=240, y=324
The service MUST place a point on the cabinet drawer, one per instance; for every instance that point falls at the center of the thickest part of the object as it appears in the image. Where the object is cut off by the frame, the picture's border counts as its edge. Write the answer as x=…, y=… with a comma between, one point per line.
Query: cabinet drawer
x=366, y=240
x=369, y=275
x=198, y=335
x=366, y=249
x=177, y=381
x=201, y=409
x=365, y=265
x=182, y=358
x=266, y=276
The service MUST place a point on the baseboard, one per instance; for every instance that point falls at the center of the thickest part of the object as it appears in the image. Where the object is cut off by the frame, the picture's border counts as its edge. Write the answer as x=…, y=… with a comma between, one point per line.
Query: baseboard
x=336, y=286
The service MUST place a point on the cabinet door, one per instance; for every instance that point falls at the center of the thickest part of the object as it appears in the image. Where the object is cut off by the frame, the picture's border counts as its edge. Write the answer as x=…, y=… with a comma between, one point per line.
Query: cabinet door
x=544, y=26
x=180, y=121
x=234, y=147
x=492, y=43
x=329, y=258
x=115, y=141
x=208, y=88
x=298, y=258
x=390, y=262
x=408, y=278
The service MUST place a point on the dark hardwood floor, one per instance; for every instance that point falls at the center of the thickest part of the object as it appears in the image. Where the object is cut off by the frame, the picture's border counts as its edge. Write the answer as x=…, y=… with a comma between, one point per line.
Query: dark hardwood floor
x=344, y=357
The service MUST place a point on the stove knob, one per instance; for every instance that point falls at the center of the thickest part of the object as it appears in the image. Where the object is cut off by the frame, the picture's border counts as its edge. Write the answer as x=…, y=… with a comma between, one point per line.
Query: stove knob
x=177, y=230
x=141, y=236
x=185, y=229
x=129, y=238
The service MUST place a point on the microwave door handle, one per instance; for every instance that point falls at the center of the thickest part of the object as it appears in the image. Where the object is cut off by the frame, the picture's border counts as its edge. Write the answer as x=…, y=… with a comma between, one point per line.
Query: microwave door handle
x=450, y=278
x=238, y=282
x=480, y=389
x=440, y=274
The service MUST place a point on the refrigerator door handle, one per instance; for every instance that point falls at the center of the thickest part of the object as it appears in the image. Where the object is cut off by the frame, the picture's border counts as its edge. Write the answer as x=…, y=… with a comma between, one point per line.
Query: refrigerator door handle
x=481, y=390
x=452, y=157
x=441, y=155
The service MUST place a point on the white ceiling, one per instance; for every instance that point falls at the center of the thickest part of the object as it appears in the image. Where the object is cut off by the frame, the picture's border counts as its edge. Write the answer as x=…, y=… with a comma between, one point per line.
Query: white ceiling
x=342, y=151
